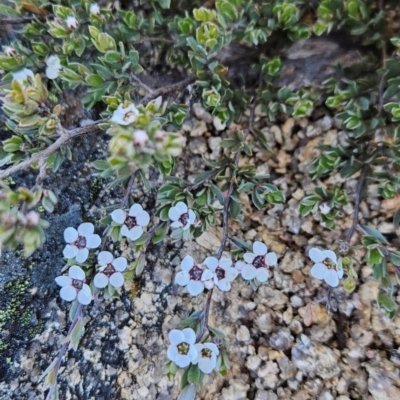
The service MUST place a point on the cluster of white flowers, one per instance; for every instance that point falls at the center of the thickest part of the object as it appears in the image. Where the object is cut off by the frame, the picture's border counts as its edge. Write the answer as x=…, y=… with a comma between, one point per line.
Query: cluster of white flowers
x=184, y=350
x=196, y=278
x=132, y=223
x=326, y=266
x=53, y=67
x=256, y=264
x=94, y=9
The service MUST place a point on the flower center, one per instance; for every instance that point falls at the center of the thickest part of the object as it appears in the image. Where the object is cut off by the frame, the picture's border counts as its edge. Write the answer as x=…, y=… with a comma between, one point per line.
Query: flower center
x=77, y=284
x=109, y=270
x=130, y=222
x=206, y=353
x=128, y=115
x=183, y=348
x=80, y=243
x=195, y=273
x=259, y=262
x=183, y=219
x=220, y=272
x=329, y=264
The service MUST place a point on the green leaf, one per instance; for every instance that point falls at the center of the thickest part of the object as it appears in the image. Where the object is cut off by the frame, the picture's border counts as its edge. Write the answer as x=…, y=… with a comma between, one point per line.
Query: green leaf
x=160, y=234
x=8, y=11
x=216, y=332
x=218, y=193
x=194, y=375
x=386, y=302
x=234, y=209
x=76, y=334
x=375, y=233
x=188, y=393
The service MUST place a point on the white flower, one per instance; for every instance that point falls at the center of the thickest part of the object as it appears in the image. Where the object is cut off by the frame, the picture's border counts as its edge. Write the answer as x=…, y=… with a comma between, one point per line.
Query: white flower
x=74, y=286
x=132, y=222
x=72, y=22
x=257, y=263
x=182, y=350
x=157, y=102
x=206, y=356
x=224, y=274
x=140, y=138
x=181, y=216
x=80, y=241
x=194, y=277
x=125, y=116
x=94, y=8
x=53, y=67
x=324, y=208
x=325, y=266
x=10, y=51
x=24, y=76
x=110, y=270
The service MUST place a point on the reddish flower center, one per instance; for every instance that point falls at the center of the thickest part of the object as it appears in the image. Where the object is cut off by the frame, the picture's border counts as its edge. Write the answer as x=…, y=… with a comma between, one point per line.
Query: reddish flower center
x=184, y=218
x=220, y=272
x=80, y=243
x=109, y=270
x=259, y=262
x=130, y=222
x=77, y=284
x=195, y=273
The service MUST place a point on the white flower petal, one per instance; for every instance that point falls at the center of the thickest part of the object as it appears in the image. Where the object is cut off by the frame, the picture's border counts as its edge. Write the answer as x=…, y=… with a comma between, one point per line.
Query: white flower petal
x=249, y=257
x=86, y=229
x=199, y=347
x=192, y=353
x=174, y=214
x=330, y=254
x=125, y=231
x=135, y=210
x=70, y=251
x=195, y=287
x=182, y=278
x=176, y=224
x=187, y=263
x=187, y=226
x=70, y=235
x=206, y=275
x=120, y=264
x=172, y=352
x=143, y=218
x=52, y=73
x=262, y=274
x=93, y=241
x=118, y=216
x=316, y=255
x=76, y=272
x=82, y=255
x=249, y=272
x=192, y=217
x=135, y=233
x=331, y=278
x=100, y=280
x=23, y=76
x=63, y=280
x=181, y=207
x=85, y=295
x=105, y=257
x=182, y=361
x=68, y=293
x=318, y=271
x=225, y=262
x=176, y=336
x=209, y=284
x=271, y=259
x=239, y=265
x=211, y=262
x=340, y=273
x=231, y=274
x=223, y=285
x=190, y=336
x=259, y=248
x=53, y=61
x=117, y=279
x=206, y=365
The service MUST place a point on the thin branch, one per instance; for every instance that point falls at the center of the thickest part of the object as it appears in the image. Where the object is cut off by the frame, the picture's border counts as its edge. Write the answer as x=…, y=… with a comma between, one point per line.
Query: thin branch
x=168, y=89
x=359, y=188
x=65, y=137
x=19, y=20
x=124, y=201
x=142, y=84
